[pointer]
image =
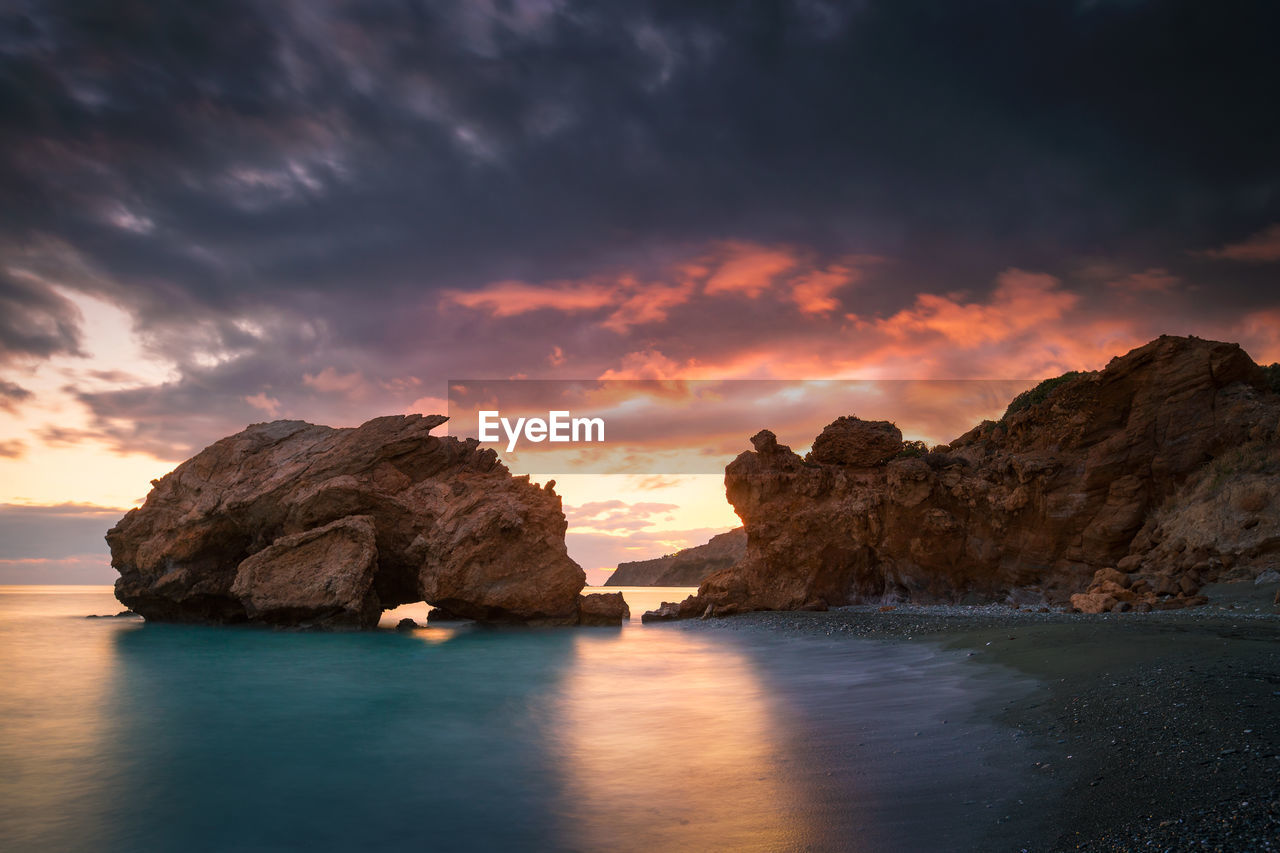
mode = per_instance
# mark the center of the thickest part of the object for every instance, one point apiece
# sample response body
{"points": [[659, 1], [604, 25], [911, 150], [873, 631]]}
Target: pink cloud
{"points": [[330, 381], [616, 515], [268, 405], [649, 364], [1260, 248], [76, 569]]}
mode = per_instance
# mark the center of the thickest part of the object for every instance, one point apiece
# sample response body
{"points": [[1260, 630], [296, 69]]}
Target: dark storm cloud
{"points": [[330, 169], [35, 322], [231, 148]]}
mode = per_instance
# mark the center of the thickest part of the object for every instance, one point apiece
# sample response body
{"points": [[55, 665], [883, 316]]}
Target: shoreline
{"points": [[1161, 729]]}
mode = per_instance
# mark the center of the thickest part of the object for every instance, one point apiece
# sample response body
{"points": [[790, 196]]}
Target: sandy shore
{"points": [[1162, 730]]}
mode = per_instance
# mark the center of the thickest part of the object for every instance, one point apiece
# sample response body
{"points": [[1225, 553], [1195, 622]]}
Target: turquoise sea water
{"points": [[116, 735]]}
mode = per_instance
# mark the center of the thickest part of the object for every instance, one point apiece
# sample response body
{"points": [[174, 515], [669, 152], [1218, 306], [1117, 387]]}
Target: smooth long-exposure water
{"points": [[121, 736]]}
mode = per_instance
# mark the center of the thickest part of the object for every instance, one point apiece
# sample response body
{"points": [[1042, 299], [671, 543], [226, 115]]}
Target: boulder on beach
{"points": [[293, 524]]}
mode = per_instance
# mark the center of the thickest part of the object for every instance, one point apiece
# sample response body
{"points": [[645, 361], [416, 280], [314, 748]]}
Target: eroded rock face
{"points": [[290, 523], [1128, 469], [688, 567], [323, 576]]}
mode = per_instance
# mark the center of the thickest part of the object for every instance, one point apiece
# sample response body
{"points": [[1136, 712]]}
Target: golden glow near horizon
{"points": [[62, 460], [699, 511]]}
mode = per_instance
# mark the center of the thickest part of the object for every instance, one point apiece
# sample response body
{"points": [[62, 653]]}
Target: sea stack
{"points": [[293, 524]]}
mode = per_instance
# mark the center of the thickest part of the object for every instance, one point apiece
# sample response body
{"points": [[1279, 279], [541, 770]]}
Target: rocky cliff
{"points": [[688, 567], [1163, 468], [289, 523]]}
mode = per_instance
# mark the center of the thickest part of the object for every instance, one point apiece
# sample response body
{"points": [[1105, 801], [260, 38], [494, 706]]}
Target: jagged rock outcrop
{"points": [[688, 567], [289, 523], [1162, 466], [850, 441]]}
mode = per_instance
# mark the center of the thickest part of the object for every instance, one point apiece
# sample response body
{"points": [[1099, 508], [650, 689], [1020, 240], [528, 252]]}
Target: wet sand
{"points": [[1158, 731]]}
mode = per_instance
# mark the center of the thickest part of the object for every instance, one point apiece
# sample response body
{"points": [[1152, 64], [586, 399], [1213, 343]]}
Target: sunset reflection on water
{"points": [[122, 736], [668, 742]]}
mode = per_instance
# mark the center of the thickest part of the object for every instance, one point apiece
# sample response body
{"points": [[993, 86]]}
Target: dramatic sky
{"points": [[217, 213]]}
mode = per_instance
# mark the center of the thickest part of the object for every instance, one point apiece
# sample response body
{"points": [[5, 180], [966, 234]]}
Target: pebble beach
{"points": [[1160, 730]]}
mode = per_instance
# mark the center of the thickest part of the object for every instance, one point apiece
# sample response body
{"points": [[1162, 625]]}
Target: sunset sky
{"points": [[216, 214]]}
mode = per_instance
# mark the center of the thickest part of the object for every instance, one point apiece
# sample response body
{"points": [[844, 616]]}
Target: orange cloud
{"points": [[731, 267], [1022, 300], [1261, 248], [812, 291], [510, 298], [748, 269], [647, 304], [1028, 327]]}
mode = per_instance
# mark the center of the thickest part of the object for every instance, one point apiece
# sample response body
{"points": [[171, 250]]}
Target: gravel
{"points": [[1162, 729]]}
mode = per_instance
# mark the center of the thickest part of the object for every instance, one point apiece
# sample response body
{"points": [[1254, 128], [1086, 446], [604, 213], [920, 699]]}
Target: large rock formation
{"points": [[688, 567], [289, 523], [1164, 467]]}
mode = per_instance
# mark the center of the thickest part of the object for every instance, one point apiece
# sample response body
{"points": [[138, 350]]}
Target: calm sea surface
{"points": [[121, 736]]}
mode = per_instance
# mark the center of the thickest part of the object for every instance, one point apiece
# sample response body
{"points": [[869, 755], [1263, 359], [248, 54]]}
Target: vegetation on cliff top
{"points": [[912, 449], [1272, 373], [1038, 394]]}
